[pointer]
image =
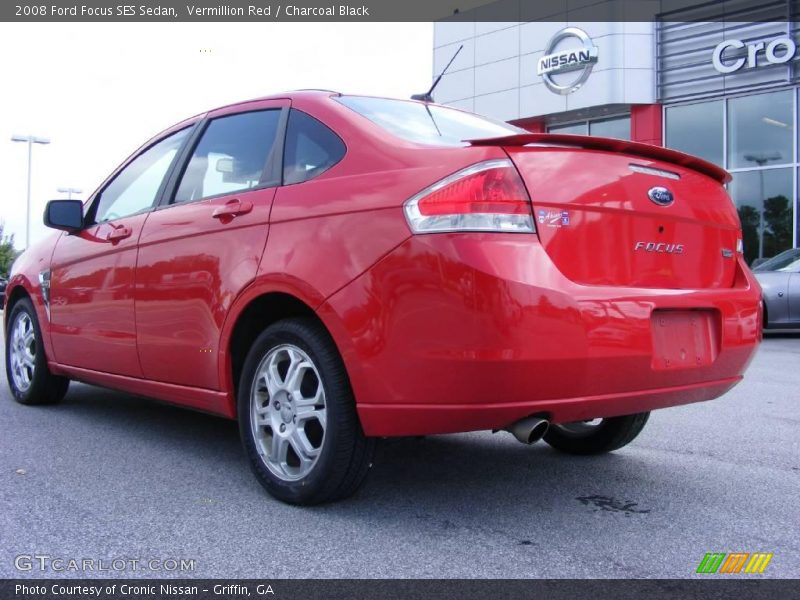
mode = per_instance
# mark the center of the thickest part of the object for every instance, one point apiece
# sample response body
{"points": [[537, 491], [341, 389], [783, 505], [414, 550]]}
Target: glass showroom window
{"points": [[764, 201], [761, 130], [572, 128], [619, 128], [697, 129], [760, 133], [616, 127]]}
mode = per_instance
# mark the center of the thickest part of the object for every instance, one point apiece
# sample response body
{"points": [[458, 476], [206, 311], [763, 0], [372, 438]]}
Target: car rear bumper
{"points": [[461, 332], [415, 419]]}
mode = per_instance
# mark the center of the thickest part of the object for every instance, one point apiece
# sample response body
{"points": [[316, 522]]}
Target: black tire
{"points": [[44, 388], [608, 435], [344, 453]]}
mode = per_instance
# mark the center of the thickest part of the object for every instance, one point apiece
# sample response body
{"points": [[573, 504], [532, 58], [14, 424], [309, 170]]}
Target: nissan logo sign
{"points": [[578, 58], [777, 52]]}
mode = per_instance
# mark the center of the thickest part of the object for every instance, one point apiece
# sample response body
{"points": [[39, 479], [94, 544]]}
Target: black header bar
{"points": [[395, 10]]}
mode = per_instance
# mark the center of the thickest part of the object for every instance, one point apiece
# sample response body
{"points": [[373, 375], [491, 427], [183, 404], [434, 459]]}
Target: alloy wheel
{"points": [[22, 352], [287, 412]]}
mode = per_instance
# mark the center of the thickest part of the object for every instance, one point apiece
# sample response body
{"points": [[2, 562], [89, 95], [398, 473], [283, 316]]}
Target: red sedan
{"points": [[331, 269]]}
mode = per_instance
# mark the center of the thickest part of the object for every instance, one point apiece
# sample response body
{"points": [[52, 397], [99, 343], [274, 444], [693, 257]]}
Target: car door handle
{"points": [[119, 233], [232, 208]]}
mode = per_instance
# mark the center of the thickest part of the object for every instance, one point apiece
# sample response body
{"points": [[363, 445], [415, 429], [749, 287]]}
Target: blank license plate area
{"points": [[684, 339]]}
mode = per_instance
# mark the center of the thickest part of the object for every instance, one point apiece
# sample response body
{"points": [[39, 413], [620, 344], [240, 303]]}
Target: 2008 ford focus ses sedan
{"points": [[332, 269]]}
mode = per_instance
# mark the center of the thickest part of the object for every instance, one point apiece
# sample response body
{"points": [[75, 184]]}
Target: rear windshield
{"points": [[427, 124]]}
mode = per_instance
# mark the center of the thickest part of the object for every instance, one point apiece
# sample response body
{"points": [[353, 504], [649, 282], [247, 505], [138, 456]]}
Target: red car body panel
{"points": [[489, 331], [609, 211], [24, 280], [191, 267], [92, 318], [438, 332]]}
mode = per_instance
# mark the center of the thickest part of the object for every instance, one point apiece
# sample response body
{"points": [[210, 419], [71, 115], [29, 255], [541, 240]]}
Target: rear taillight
{"points": [[488, 196]]}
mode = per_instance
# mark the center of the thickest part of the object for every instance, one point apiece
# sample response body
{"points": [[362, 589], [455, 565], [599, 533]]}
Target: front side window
{"points": [[134, 189], [311, 148], [232, 155], [428, 124]]}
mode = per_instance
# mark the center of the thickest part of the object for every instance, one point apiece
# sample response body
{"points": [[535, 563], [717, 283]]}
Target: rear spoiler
{"points": [[613, 145]]}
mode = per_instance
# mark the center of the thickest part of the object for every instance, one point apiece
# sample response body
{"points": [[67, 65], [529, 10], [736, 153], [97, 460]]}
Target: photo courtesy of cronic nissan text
{"points": [[426, 299]]}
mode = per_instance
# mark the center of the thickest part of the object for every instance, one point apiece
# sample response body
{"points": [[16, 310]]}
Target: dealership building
{"points": [[724, 90]]}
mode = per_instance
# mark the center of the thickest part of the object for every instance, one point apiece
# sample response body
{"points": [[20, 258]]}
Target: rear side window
{"points": [[311, 148], [232, 155], [427, 124]]}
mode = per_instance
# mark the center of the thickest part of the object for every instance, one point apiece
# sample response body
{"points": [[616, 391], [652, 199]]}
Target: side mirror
{"points": [[66, 215]]}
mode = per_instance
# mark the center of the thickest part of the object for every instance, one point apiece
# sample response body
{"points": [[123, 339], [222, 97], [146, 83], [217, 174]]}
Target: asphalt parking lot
{"points": [[106, 475]]}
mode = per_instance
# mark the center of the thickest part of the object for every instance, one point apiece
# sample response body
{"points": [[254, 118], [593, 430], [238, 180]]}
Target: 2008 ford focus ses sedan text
{"points": [[332, 269]]}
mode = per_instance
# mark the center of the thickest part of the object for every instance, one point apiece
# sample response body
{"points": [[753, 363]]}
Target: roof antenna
{"points": [[427, 96]]}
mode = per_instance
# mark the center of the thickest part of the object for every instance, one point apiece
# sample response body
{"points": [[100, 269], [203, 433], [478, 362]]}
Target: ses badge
{"points": [[553, 218]]}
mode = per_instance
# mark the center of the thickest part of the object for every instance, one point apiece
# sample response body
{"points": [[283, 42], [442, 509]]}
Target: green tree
{"points": [[7, 252], [749, 217], [778, 220]]}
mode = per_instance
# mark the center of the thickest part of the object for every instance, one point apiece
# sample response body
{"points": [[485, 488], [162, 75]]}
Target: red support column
{"points": [[646, 124]]}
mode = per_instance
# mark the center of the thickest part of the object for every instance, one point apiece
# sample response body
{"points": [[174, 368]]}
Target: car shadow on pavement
{"points": [[431, 477], [132, 415], [492, 469]]}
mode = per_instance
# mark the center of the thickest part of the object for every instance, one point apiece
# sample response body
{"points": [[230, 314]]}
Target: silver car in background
{"points": [[780, 280]]}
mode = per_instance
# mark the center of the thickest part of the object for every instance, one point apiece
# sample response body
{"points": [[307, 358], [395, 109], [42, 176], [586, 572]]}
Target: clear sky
{"points": [[98, 91]]}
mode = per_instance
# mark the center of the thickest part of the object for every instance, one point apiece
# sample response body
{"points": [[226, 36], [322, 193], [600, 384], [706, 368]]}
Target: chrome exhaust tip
{"points": [[529, 429]]}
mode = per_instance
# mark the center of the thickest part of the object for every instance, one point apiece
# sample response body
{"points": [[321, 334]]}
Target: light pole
{"points": [[761, 160], [69, 191], [30, 140]]}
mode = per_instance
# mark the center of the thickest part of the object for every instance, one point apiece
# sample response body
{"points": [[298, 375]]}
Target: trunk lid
{"points": [[603, 212]]}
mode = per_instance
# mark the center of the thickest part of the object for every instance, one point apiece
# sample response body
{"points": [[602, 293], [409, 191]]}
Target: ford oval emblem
{"points": [[661, 196]]}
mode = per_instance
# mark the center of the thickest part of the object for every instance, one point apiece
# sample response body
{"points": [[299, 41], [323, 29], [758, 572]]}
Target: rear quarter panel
{"points": [[326, 232]]}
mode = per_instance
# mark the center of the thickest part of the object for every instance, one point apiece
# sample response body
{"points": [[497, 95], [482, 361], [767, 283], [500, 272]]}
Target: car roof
{"points": [[290, 95], [313, 94]]}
